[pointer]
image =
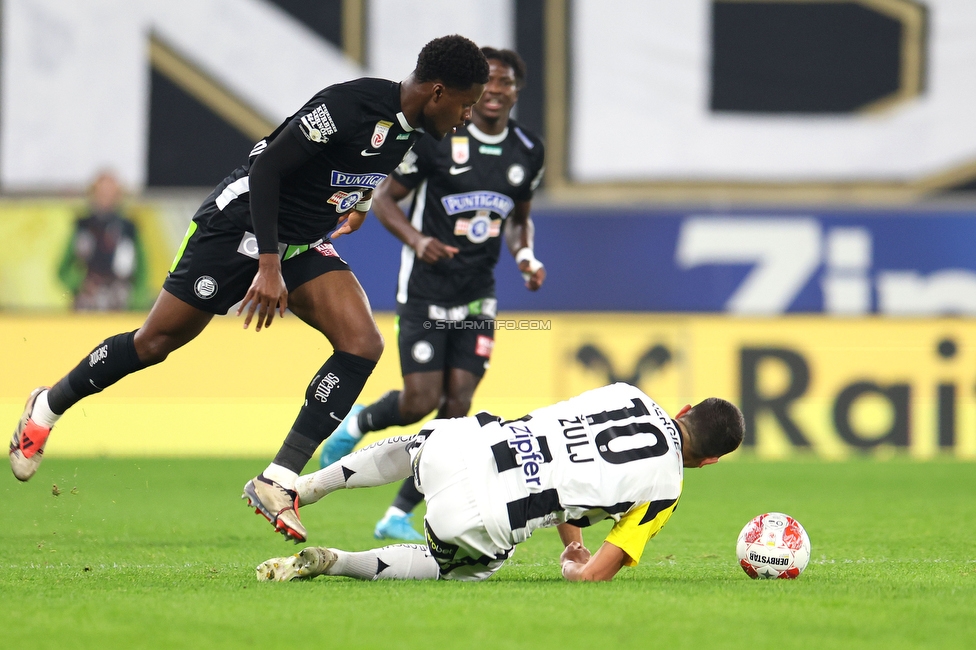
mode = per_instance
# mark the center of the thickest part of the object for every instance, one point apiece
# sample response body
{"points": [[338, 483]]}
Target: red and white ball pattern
{"points": [[773, 545]]}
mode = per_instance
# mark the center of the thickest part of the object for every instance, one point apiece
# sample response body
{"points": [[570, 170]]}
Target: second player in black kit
{"points": [[261, 239], [471, 190], [467, 186]]}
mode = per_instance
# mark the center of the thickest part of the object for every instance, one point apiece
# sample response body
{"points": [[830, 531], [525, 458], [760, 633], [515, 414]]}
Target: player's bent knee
{"points": [[415, 411], [455, 407], [377, 345], [153, 350], [367, 344], [371, 347], [417, 404]]}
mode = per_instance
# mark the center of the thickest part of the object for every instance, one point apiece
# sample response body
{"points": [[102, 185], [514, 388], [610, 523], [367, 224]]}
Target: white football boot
{"points": [[277, 504], [304, 565], [28, 441]]}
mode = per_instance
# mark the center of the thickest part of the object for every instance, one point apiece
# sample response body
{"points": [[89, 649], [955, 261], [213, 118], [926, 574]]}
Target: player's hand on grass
{"points": [[266, 293], [533, 279], [574, 552], [431, 250]]}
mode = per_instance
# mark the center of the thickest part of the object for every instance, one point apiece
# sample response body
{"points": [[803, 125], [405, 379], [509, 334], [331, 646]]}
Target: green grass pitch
{"points": [[161, 554]]}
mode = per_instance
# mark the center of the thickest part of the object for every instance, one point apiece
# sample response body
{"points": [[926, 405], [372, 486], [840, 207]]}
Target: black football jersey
{"points": [[466, 186], [357, 135]]}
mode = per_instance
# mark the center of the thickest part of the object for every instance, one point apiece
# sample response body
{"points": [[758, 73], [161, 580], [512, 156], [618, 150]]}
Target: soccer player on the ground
{"points": [[261, 239], [610, 452], [469, 189]]}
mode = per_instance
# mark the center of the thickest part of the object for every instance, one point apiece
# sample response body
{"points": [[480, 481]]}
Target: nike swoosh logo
{"points": [[459, 170], [333, 415], [364, 152]]}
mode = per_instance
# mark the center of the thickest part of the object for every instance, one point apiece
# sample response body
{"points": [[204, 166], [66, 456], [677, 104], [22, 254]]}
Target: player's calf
{"points": [[397, 562]]}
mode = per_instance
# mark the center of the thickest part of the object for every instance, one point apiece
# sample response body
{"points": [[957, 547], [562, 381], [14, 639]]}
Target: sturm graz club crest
{"points": [[422, 352], [205, 287], [516, 175]]}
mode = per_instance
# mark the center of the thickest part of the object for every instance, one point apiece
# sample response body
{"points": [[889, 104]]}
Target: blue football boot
{"points": [[341, 442], [397, 527]]}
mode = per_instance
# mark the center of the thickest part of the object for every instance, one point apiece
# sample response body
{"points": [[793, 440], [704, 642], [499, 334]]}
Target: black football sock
{"points": [[408, 497], [110, 361], [383, 413], [328, 399]]}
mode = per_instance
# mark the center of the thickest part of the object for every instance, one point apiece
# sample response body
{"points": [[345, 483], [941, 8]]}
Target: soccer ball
{"points": [[773, 545]]}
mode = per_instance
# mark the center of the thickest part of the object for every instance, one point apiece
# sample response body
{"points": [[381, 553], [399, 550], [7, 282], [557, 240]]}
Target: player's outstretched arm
{"points": [[520, 236], [385, 204], [578, 565], [568, 533], [352, 220], [268, 291]]}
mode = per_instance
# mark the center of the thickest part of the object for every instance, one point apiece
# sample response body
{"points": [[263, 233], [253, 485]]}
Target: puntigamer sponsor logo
{"points": [[493, 201], [347, 179], [766, 559]]}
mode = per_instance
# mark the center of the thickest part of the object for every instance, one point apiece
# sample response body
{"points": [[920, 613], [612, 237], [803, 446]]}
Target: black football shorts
{"points": [[217, 262], [427, 345]]}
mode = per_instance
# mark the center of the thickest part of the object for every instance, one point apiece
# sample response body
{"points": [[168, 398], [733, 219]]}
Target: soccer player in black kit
{"points": [[470, 189], [261, 239]]}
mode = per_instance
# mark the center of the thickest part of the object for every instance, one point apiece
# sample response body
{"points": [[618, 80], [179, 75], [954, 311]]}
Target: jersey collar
{"points": [[678, 429], [404, 124], [484, 138]]}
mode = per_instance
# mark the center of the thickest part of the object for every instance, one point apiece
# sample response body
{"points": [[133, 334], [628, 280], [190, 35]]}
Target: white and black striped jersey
{"points": [[466, 187], [356, 134], [611, 452]]}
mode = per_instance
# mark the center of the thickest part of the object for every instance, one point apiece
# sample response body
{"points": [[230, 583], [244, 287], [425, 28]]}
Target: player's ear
{"points": [[684, 409], [711, 460]]}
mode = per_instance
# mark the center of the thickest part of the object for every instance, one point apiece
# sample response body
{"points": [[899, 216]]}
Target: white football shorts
{"points": [[454, 526]]}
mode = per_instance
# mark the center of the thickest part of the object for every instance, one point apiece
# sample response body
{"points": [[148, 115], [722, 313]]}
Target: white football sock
{"points": [[397, 562], [384, 461], [393, 511], [42, 413], [281, 475], [353, 427]]}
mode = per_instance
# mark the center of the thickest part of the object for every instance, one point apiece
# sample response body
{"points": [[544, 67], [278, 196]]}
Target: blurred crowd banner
{"points": [[34, 237], [808, 385], [893, 262]]}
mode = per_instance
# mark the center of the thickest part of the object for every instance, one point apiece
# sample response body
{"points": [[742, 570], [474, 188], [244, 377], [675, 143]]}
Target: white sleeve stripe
{"points": [[232, 191], [524, 138], [407, 254]]}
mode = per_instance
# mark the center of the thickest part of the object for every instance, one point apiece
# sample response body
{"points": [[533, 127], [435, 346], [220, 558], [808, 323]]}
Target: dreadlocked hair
{"points": [[454, 61], [511, 59]]}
